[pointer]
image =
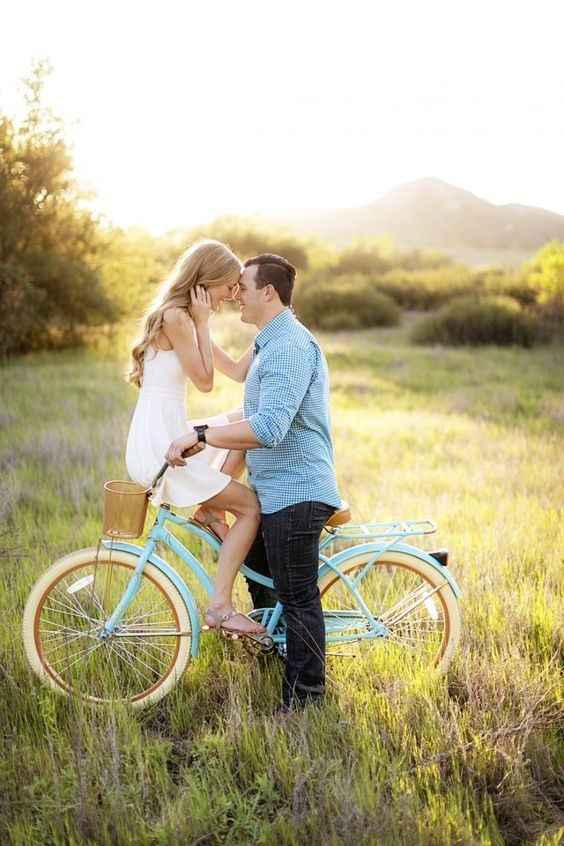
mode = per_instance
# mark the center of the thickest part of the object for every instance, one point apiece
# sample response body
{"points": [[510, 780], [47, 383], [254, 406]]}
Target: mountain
{"points": [[431, 213]]}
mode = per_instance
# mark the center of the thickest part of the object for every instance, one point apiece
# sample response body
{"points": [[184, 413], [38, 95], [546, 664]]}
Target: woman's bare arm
{"points": [[192, 345], [236, 370]]}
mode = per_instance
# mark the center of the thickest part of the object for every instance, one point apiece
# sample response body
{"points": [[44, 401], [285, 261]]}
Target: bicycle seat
{"points": [[341, 516]]}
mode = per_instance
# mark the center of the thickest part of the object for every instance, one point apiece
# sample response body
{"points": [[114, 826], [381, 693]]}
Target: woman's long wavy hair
{"points": [[208, 263]]}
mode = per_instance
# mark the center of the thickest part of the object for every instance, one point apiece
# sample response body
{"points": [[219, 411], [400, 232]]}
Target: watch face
{"points": [[201, 433]]}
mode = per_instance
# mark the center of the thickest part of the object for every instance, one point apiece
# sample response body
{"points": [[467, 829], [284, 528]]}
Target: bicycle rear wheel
{"points": [[63, 620], [413, 603]]}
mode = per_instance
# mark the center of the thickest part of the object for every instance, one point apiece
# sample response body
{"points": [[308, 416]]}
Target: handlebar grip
{"points": [[193, 450], [186, 454]]}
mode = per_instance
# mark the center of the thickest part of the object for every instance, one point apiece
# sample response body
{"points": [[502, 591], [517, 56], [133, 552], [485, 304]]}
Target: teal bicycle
{"points": [[118, 622]]}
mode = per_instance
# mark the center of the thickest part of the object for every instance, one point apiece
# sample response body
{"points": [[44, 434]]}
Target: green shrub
{"points": [[423, 259], [424, 290], [335, 320], [506, 283], [247, 237], [365, 255], [486, 320], [344, 302], [20, 303], [372, 256], [546, 274], [50, 286]]}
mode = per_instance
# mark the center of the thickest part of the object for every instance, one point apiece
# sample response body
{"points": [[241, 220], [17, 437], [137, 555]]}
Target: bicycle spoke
{"points": [[429, 625], [404, 634], [408, 606], [66, 642], [155, 626], [94, 597], [161, 627], [65, 609], [79, 604], [151, 645], [414, 606], [388, 587], [145, 616], [77, 656], [133, 664], [392, 612], [111, 652], [61, 630], [144, 648]]}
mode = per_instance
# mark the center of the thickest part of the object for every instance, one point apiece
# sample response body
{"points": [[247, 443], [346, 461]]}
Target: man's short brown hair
{"points": [[276, 271]]}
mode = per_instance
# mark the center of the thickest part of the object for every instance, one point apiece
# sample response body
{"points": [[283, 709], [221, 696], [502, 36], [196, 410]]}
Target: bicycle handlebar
{"points": [[186, 454]]}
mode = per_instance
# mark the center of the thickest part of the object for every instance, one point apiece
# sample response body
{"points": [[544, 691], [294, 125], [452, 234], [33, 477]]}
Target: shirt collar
{"points": [[274, 328]]}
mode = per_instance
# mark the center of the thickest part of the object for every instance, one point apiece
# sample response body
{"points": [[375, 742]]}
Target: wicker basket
{"points": [[125, 509]]}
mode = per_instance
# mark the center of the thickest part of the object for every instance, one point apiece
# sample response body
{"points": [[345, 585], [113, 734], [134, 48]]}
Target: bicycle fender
{"points": [[179, 584], [335, 562]]}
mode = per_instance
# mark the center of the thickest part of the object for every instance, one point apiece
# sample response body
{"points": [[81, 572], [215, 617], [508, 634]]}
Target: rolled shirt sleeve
{"points": [[285, 376]]}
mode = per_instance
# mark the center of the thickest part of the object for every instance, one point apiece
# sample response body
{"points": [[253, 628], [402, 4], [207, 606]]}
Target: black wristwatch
{"points": [[201, 430]]}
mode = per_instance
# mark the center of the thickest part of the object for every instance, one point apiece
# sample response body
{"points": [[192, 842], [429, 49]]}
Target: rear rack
{"points": [[366, 531]]}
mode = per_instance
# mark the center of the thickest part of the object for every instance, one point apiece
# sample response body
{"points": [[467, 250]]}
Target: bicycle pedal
{"points": [[266, 644], [261, 644], [229, 635], [250, 645]]}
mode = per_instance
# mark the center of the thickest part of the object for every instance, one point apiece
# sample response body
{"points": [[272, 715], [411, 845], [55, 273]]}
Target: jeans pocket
{"points": [[320, 513], [301, 516]]}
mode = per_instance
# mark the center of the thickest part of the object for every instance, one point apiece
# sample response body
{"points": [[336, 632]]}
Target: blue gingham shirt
{"points": [[287, 407]]}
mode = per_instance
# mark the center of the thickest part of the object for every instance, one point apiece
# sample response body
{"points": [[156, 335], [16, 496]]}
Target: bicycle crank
{"points": [[254, 644]]}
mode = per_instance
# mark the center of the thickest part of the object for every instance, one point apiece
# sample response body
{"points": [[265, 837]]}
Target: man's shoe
{"points": [[282, 714]]}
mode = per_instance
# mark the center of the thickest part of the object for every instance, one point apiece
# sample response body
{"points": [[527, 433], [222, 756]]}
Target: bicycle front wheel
{"points": [[63, 623], [415, 610]]}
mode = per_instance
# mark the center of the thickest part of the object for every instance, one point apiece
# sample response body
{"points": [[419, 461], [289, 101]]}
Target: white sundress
{"points": [[159, 418]]}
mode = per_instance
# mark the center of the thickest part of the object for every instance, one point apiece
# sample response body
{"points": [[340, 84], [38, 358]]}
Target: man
{"points": [[286, 433]]}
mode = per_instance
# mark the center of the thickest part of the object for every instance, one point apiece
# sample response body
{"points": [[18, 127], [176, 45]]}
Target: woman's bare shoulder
{"points": [[176, 316]]}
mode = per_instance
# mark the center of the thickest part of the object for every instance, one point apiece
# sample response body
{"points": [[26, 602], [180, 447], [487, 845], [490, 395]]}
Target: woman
{"points": [[176, 347]]}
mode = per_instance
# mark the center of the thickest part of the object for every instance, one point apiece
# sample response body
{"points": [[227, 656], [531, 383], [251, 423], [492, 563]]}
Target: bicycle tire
{"points": [[441, 623], [64, 610]]}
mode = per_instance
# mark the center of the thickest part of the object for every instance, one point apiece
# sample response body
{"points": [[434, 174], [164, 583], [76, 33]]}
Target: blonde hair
{"points": [[208, 263]]}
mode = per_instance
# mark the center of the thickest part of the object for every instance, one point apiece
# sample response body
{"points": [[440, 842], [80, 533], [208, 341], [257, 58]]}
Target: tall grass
{"points": [[471, 438]]}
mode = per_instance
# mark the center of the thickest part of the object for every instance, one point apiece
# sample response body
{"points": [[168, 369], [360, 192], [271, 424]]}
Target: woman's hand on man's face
{"points": [[183, 447], [200, 305]]}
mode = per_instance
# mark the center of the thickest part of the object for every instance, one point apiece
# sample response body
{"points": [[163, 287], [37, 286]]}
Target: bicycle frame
{"points": [[337, 622], [147, 554]]}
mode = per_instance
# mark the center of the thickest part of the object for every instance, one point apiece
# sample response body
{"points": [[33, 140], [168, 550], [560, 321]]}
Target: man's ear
{"points": [[270, 292]]}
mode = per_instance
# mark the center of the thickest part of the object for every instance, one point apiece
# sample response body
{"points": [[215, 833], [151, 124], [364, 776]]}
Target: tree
{"points": [[247, 237], [546, 275], [133, 265], [366, 255], [49, 242]]}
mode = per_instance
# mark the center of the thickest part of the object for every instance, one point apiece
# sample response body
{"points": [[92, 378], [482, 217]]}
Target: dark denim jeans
{"points": [[286, 549]]}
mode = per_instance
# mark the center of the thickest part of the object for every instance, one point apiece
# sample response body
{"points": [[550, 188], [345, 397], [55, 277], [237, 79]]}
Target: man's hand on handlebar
{"points": [[183, 447]]}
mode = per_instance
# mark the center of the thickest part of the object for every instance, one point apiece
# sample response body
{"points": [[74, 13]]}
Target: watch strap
{"points": [[201, 432]]}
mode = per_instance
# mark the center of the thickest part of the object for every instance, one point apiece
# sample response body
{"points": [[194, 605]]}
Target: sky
{"points": [[180, 112]]}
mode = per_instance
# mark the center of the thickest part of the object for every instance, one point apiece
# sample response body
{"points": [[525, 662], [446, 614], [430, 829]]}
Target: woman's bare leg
{"points": [[233, 466], [243, 504]]}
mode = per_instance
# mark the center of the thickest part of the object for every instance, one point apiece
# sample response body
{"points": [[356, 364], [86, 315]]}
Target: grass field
{"points": [[470, 438]]}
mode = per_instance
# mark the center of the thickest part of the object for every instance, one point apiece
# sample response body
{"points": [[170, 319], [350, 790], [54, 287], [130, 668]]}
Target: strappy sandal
{"points": [[220, 619], [209, 524]]}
